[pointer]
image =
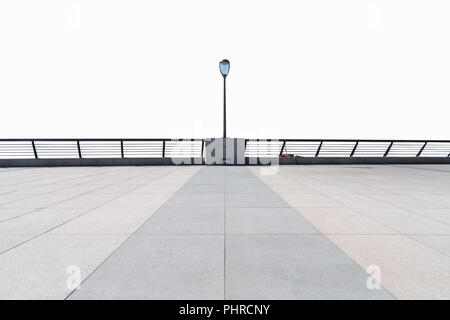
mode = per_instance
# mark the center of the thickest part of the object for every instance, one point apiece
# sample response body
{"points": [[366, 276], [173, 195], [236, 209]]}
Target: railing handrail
{"points": [[349, 140], [101, 139]]}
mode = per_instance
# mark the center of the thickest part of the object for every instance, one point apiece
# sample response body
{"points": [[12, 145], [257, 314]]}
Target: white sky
{"points": [[299, 69]]}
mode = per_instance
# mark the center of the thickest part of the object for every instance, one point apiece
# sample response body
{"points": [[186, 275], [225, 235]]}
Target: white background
{"points": [[299, 69]]}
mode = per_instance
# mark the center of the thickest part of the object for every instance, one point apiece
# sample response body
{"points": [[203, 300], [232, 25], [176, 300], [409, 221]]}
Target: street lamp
{"points": [[224, 67]]}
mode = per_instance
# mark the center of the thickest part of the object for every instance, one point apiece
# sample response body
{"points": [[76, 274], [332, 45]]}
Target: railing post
{"points": [[79, 149], [388, 149], [421, 149], [34, 149], [203, 148], [282, 148], [164, 149], [121, 149], [354, 149], [318, 149]]}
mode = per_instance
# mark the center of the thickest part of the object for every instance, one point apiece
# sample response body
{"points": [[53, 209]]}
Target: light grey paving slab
{"points": [[442, 215], [9, 241], [86, 201], [117, 189], [201, 188], [39, 268], [157, 188], [358, 201], [406, 201], [187, 200], [169, 220], [293, 267], [405, 222], [254, 200], [39, 201], [245, 188], [138, 201], [440, 243], [39, 221], [266, 221], [208, 179], [107, 221], [6, 214], [7, 198], [160, 267], [241, 180]]}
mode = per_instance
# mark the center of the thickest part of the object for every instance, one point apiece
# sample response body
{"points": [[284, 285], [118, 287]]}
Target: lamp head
{"points": [[224, 67]]}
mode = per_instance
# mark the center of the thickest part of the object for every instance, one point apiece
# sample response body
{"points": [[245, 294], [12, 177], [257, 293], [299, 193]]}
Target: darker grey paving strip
{"points": [[234, 244], [155, 263]]}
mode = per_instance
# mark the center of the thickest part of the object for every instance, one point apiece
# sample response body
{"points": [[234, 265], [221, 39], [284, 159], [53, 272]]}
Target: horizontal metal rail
{"points": [[100, 148]]}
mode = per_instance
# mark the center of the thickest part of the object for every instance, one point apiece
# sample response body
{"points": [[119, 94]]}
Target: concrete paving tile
{"points": [[310, 200], [7, 198], [7, 241], [195, 200], [294, 189], [273, 179], [248, 180], [207, 179], [117, 189], [87, 201], [42, 189], [102, 221], [160, 267], [6, 214], [254, 200], [359, 201], [292, 267], [405, 201], [171, 180], [405, 222], [38, 201], [38, 222], [440, 243], [76, 189], [441, 199], [442, 215], [169, 220], [245, 188], [138, 201], [342, 221], [409, 270], [266, 221], [160, 188], [330, 189], [201, 188], [38, 269]]}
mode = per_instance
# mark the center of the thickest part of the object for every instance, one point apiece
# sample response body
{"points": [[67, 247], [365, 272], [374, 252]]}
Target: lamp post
{"points": [[224, 67]]}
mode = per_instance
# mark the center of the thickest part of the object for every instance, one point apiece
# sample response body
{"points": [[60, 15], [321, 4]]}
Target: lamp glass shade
{"points": [[224, 66]]}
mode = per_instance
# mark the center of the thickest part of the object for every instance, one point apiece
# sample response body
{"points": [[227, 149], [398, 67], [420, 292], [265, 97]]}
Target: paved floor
{"points": [[293, 232]]}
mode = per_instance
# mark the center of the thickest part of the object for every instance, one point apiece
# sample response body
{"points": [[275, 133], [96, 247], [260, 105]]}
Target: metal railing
{"points": [[100, 148], [12, 149], [346, 148]]}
